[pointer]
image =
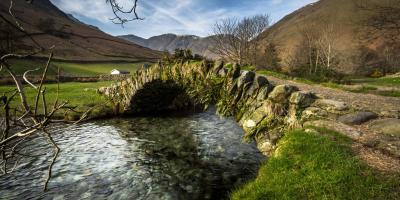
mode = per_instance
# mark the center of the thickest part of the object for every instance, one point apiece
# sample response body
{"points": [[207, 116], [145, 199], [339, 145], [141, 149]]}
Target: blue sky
{"points": [[194, 17]]}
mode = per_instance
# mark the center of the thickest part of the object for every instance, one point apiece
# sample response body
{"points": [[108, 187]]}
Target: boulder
{"points": [[236, 71], [331, 105], [302, 99], [245, 78], [357, 118], [281, 93], [223, 72], [314, 112], [261, 81], [264, 92], [389, 126], [218, 66]]}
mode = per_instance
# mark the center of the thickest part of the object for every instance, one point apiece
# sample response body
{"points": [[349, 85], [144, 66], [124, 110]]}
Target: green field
{"points": [[384, 81], [83, 96], [311, 165], [72, 69]]}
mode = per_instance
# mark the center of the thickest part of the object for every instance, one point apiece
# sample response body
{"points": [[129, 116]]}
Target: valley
{"points": [[296, 99]]}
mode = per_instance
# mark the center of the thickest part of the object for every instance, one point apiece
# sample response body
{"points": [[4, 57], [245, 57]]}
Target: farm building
{"points": [[116, 72]]}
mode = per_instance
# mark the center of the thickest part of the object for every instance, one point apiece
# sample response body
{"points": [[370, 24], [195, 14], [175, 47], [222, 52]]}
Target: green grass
{"points": [[274, 74], [81, 95], [390, 93], [315, 166], [384, 81], [387, 81], [72, 69], [98, 68]]}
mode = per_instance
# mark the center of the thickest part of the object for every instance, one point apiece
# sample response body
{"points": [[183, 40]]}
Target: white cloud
{"points": [[175, 16]]}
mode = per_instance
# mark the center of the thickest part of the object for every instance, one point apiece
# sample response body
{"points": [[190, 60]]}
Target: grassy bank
{"points": [[318, 166], [83, 96], [71, 68]]}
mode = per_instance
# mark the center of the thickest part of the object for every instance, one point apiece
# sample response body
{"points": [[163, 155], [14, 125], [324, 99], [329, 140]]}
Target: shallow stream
{"points": [[200, 156]]}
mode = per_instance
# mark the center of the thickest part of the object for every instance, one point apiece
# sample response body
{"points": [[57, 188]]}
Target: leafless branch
{"points": [[41, 82], [56, 152], [27, 80], [120, 12]]}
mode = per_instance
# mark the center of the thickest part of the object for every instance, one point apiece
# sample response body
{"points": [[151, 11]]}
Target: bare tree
{"points": [[310, 36], [319, 46], [327, 45], [235, 40]]}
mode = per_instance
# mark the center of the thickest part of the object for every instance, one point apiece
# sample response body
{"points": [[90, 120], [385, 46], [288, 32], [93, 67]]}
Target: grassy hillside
{"points": [[357, 49], [72, 40]]}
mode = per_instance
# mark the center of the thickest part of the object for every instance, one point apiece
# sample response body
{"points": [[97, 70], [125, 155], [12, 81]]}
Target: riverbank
{"points": [[318, 164], [81, 97]]}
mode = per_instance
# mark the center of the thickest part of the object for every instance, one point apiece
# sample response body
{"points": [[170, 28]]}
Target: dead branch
{"points": [[41, 82], [119, 12], [27, 80], [56, 152]]}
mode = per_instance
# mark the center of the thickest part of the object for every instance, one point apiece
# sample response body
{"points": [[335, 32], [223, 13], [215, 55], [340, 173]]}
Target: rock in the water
{"points": [[357, 118], [302, 99], [281, 93], [388, 126]]}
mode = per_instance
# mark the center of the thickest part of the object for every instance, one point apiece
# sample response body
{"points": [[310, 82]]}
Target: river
{"points": [[198, 156]]}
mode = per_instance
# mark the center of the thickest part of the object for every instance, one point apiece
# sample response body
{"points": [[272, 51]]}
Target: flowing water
{"points": [[200, 156]]}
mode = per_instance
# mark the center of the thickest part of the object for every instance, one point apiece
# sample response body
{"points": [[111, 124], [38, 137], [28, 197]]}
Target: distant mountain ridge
{"points": [[72, 39], [169, 42]]}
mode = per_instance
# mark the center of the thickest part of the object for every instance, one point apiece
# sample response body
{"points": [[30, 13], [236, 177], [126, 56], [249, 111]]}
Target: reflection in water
{"points": [[194, 157]]}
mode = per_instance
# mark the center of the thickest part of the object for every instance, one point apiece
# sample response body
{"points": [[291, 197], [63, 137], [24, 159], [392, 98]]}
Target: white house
{"points": [[117, 72]]}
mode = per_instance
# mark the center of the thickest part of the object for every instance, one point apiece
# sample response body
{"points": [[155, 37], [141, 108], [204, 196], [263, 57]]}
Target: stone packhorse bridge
{"points": [[263, 110]]}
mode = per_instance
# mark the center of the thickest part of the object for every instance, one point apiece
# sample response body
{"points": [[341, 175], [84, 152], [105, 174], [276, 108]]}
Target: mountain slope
{"points": [[170, 42], [73, 40], [351, 41]]}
